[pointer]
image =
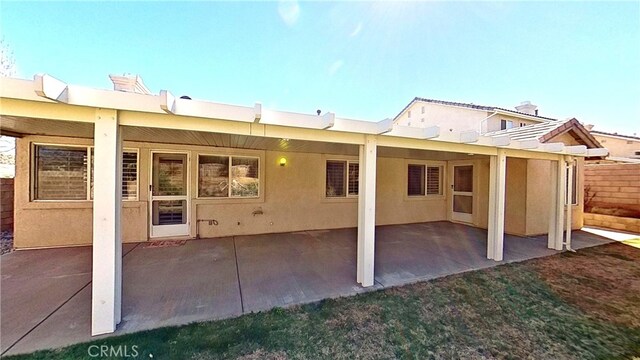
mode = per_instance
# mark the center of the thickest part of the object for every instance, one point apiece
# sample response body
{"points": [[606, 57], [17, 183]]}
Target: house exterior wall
{"points": [[619, 147], [455, 118], [447, 117], [292, 199]]}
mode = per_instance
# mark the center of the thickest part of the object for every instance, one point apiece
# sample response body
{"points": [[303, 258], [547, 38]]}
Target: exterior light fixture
{"points": [[283, 161]]}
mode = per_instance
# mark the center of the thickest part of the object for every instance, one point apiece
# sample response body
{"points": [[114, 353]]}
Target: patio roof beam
{"points": [[305, 121], [51, 88], [363, 127], [414, 133]]}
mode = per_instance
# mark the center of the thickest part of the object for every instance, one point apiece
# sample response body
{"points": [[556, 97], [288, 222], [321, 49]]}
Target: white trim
{"points": [[426, 163], [176, 229], [463, 217], [347, 160], [229, 196]]}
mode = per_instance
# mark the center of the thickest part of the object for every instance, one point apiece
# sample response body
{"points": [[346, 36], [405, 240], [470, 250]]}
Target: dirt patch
{"points": [[603, 281]]}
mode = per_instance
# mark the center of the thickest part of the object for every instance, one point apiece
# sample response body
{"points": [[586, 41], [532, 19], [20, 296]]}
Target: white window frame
{"points": [[229, 196], [346, 179], [88, 149], [507, 122], [427, 164]]}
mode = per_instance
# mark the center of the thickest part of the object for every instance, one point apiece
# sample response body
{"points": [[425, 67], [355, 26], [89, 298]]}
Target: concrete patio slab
{"points": [[36, 283], [50, 294], [278, 270]]}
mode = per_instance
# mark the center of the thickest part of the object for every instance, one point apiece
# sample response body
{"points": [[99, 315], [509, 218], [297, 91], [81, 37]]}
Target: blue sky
{"points": [[360, 60]]}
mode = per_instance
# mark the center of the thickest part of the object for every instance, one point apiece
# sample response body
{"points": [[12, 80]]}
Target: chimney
{"points": [[528, 108], [129, 83]]}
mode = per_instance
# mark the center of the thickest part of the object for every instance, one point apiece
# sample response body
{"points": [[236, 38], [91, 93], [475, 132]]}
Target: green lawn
{"points": [[569, 306]]}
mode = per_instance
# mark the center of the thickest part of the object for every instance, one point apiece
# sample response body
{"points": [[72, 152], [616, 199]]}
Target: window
{"points": [[342, 178], [574, 185], [506, 124], [423, 109], [222, 176], [415, 183], [409, 114], [424, 180], [61, 173], [522, 124], [129, 175], [422, 120]]}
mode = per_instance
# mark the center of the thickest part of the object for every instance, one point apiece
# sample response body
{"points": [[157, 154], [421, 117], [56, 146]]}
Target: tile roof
{"points": [[471, 106], [545, 132], [614, 134]]}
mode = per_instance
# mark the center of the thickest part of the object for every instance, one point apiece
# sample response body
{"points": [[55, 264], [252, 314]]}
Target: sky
{"points": [[361, 60]]}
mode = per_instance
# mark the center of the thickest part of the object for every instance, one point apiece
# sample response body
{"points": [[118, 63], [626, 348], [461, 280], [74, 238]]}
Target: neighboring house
{"points": [[526, 178], [621, 147], [188, 168]]}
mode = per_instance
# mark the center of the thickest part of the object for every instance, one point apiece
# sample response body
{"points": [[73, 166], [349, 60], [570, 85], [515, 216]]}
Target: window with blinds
{"points": [[424, 180], [415, 180], [60, 173], [342, 178], [129, 175], [336, 177], [224, 176], [433, 180]]}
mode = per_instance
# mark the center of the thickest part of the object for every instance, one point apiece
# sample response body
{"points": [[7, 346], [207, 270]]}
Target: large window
{"points": [[424, 180], [223, 176], [61, 173], [342, 178]]}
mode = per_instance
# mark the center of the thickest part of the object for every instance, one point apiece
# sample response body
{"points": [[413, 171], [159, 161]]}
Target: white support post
{"points": [[497, 189], [569, 218], [560, 202], [367, 211], [106, 298], [553, 206]]}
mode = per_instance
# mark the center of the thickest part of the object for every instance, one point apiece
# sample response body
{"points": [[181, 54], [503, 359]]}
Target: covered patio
{"points": [[225, 277]]}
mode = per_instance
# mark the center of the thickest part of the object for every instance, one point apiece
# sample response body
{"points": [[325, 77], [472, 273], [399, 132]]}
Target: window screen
{"points": [[415, 183], [129, 175], [60, 173], [336, 173], [244, 177]]}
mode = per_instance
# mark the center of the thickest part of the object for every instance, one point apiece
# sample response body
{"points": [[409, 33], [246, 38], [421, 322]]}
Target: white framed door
{"points": [[462, 197], [169, 194]]}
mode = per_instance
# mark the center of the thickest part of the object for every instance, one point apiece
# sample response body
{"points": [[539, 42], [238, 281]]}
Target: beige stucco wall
{"points": [[455, 118], [292, 198], [619, 147]]}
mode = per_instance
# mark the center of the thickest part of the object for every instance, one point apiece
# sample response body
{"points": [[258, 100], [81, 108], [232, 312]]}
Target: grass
{"points": [[583, 305]]}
